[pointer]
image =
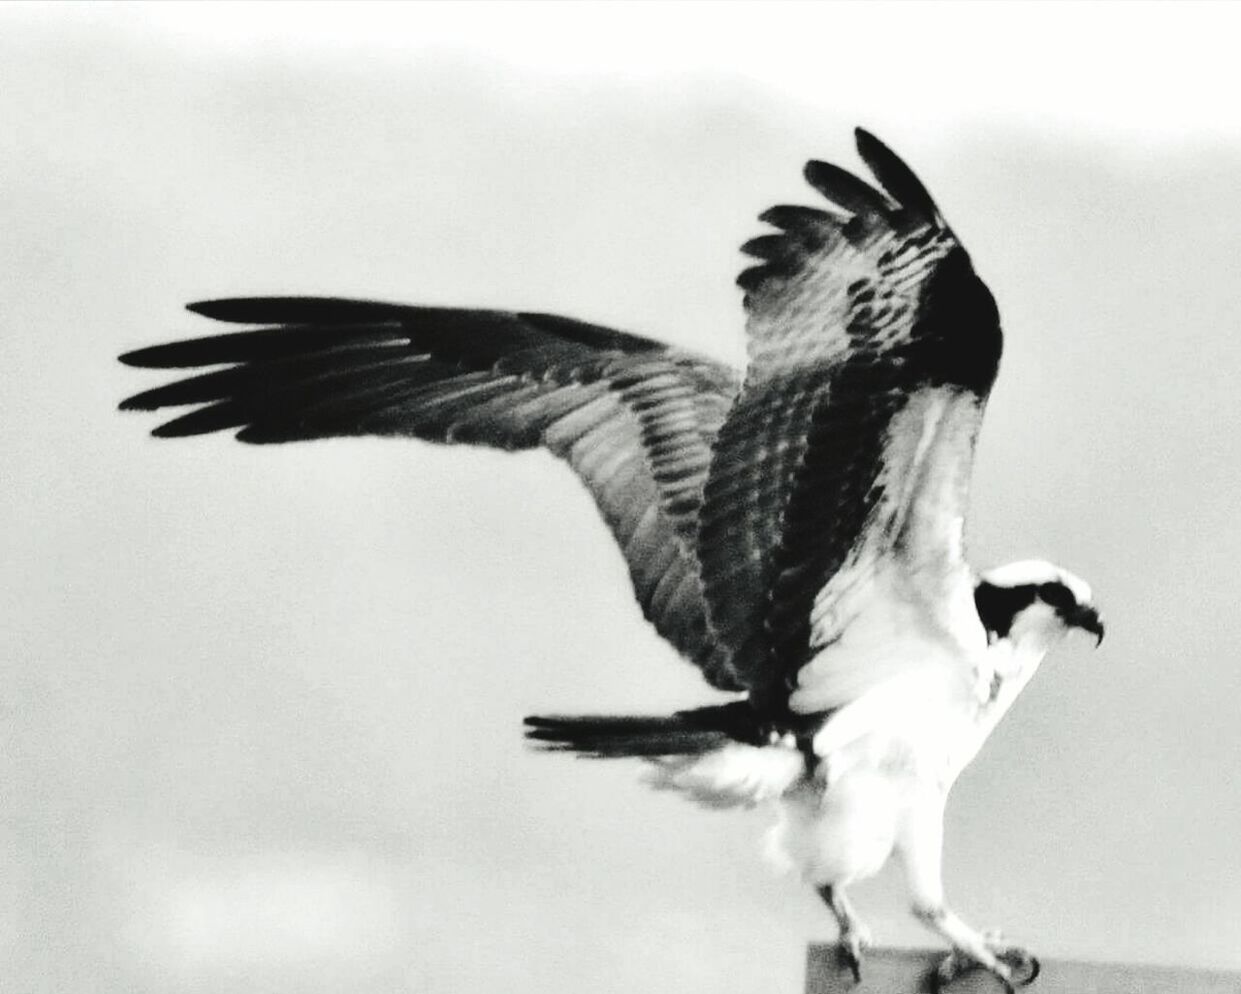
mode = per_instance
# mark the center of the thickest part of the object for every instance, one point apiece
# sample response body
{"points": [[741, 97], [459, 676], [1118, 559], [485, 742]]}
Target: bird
{"points": [[794, 529]]}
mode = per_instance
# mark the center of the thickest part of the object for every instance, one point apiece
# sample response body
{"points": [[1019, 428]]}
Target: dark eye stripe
{"points": [[1057, 595], [997, 606]]}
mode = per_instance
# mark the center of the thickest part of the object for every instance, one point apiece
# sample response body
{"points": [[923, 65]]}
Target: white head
{"points": [[1034, 600]]}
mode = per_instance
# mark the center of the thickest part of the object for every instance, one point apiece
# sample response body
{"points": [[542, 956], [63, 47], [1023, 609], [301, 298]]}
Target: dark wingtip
{"points": [[295, 310], [548, 734], [173, 355], [169, 431], [896, 177], [867, 144], [845, 191], [138, 357], [235, 310]]}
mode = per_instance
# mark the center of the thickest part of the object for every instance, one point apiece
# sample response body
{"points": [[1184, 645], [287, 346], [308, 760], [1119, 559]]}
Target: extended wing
{"points": [[634, 418], [873, 346]]}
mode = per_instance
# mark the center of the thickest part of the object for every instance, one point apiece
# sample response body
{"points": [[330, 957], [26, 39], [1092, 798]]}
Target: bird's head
{"points": [[1033, 600]]}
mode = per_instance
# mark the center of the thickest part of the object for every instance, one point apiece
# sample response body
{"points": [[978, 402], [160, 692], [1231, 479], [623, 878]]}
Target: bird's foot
{"points": [[854, 940], [1024, 966], [1011, 965]]}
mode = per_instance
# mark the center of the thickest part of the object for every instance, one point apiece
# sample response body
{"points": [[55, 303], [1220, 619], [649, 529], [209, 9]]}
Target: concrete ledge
{"points": [[907, 971]]}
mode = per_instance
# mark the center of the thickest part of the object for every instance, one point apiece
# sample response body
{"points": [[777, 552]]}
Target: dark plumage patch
{"points": [[614, 736], [834, 496], [960, 341], [1057, 595], [998, 606], [846, 191], [804, 231], [897, 178], [690, 732]]}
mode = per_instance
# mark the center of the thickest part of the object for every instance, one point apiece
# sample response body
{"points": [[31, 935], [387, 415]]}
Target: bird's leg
{"points": [[854, 935], [972, 949], [921, 847]]}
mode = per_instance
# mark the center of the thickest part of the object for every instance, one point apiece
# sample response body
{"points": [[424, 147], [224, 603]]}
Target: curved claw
{"points": [[853, 963], [850, 951], [951, 967], [1021, 962], [957, 963]]}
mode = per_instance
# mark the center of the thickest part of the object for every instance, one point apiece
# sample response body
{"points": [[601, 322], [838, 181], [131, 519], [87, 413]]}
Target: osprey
{"points": [[796, 533]]}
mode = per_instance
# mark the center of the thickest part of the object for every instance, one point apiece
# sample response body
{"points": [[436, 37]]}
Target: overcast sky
{"points": [[261, 707]]}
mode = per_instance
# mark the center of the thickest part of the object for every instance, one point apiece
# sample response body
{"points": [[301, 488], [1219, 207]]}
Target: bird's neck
{"points": [[1015, 661], [1013, 664]]}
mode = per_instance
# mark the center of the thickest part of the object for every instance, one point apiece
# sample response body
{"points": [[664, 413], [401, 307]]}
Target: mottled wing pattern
{"points": [[854, 313], [634, 418]]}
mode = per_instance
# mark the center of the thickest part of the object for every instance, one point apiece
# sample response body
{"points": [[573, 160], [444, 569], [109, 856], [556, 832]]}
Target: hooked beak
{"points": [[1087, 619]]}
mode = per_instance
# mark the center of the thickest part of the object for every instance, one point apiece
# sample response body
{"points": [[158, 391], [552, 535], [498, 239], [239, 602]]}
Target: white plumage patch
{"points": [[904, 602], [1038, 571], [894, 633], [734, 776]]}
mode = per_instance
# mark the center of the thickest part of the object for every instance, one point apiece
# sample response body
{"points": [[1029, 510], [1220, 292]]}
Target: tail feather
{"points": [[719, 757], [685, 733]]}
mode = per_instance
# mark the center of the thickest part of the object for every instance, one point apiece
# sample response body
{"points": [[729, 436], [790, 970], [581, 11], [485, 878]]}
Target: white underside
{"points": [[735, 776], [888, 760]]}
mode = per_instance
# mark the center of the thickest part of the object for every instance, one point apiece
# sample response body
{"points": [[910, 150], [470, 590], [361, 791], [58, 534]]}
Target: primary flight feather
{"points": [[796, 533]]}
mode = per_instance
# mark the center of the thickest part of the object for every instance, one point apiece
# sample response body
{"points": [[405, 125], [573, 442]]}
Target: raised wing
{"points": [[873, 346], [634, 418]]}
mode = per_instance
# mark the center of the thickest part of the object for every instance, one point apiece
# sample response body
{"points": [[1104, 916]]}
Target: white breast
{"points": [[890, 621], [899, 746]]}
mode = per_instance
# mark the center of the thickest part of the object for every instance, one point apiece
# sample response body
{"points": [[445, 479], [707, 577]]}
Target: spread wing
{"points": [[634, 418], [873, 346]]}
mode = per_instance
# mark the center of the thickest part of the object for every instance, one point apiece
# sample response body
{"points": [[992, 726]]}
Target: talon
{"points": [[1021, 962], [957, 963], [853, 962], [850, 949], [950, 967], [1024, 968]]}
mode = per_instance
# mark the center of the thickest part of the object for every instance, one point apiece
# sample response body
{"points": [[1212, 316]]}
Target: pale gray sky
{"points": [[261, 706]]}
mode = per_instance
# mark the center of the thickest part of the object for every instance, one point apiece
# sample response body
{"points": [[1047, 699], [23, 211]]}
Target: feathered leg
{"points": [[921, 849], [854, 935]]}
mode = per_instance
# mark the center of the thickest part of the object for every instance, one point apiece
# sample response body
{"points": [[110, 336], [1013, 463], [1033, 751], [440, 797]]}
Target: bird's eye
{"points": [[1057, 595]]}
